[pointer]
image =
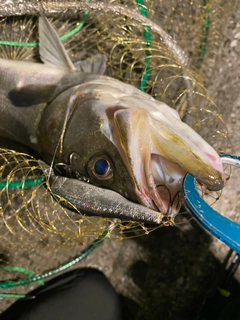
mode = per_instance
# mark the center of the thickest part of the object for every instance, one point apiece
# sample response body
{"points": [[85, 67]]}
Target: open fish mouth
{"points": [[159, 186], [165, 183], [162, 191], [158, 150]]}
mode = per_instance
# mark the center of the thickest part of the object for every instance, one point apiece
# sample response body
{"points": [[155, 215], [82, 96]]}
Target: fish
{"points": [[99, 130]]}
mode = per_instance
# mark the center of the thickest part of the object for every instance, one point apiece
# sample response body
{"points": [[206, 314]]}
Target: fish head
{"points": [[131, 144], [71, 129], [159, 149], [117, 137]]}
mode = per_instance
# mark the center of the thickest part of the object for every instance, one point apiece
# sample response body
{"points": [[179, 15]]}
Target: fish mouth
{"points": [[163, 179], [159, 149], [159, 184], [212, 184], [160, 187]]}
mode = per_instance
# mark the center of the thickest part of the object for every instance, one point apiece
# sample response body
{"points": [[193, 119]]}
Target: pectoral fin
{"points": [[95, 65], [30, 95]]}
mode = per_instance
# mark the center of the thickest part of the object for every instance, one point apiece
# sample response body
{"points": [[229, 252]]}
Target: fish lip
{"points": [[212, 183], [217, 187]]}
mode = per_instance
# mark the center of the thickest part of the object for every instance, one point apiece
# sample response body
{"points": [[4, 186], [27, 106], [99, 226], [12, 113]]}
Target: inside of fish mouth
{"points": [[174, 202], [164, 194], [164, 191]]}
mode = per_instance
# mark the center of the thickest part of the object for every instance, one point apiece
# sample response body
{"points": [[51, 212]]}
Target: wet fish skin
{"points": [[86, 115], [59, 111], [25, 84]]}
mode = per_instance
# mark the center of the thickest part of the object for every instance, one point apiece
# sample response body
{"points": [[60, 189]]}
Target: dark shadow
{"points": [[3, 258], [180, 273]]}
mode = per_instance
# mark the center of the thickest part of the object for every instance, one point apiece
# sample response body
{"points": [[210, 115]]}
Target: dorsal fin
{"points": [[51, 49]]}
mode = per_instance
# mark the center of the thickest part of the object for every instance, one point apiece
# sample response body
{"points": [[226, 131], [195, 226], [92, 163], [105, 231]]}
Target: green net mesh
{"points": [[31, 221]]}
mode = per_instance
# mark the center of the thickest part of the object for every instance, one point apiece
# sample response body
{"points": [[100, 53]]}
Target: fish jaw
{"points": [[180, 144], [142, 164], [142, 129], [159, 150]]}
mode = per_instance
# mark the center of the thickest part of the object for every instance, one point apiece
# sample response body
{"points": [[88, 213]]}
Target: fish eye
{"points": [[100, 167]]}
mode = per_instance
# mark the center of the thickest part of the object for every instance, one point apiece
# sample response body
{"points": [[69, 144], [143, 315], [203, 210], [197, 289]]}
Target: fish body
{"points": [[100, 129], [20, 124]]}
